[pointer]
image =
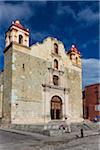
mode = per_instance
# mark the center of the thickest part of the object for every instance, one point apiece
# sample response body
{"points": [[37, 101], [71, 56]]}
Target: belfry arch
{"points": [[56, 108], [20, 39]]}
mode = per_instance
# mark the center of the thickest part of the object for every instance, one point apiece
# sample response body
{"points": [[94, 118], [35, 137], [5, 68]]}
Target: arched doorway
{"points": [[56, 107]]}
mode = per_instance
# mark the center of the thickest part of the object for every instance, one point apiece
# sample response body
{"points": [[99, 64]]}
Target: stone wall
{"points": [[7, 85], [75, 94], [28, 75], [1, 92]]}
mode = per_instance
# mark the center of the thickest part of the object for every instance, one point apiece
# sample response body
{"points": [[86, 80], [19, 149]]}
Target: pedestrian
{"points": [[67, 125], [82, 135], [95, 120], [62, 128]]}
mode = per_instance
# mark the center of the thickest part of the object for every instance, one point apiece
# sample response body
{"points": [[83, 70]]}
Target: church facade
{"points": [[39, 83]]}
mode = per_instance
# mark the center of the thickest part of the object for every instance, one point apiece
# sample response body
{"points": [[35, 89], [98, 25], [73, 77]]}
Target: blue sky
{"points": [[69, 21]]}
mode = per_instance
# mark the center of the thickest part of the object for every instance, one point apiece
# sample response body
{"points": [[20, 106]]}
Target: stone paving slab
{"points": [[13, 140], [24, 133]]}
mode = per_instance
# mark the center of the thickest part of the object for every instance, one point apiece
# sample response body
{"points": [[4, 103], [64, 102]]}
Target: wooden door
{"points": [[56, 108]]}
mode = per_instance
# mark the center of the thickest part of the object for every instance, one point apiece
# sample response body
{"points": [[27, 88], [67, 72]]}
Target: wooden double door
{"points": [[56, 108]]}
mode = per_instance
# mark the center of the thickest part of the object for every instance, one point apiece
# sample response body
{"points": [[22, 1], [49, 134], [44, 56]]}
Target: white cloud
{"points": [[21, 10], [88, 15], [61, 10], [13, 11], [91, 71]]}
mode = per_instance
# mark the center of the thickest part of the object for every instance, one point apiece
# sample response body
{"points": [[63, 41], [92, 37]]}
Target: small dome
{"points": [[73, 46], [17, 21]]}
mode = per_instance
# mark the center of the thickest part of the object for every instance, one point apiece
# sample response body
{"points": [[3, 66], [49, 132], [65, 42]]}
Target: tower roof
{"points": [[18, 25], [73, 49]]}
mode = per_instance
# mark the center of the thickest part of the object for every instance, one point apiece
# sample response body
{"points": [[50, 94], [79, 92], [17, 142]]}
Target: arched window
{"points": [[55, 64], [20, 39], [55, 48], [55, 80], [71, 56], [76, 60]]}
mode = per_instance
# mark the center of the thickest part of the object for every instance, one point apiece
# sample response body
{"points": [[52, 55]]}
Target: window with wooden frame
{"points": [[55, 80], [56, 64], [55, 48]]}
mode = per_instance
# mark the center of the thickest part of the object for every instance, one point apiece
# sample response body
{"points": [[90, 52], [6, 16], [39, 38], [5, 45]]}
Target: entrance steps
{"points": [[87, 125], [52, 127]]}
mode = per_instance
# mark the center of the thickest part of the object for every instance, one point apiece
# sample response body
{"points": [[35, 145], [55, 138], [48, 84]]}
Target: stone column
{"points": [[66, 103], [50, 78], [61, 76], [44, 102], [46, 105]]}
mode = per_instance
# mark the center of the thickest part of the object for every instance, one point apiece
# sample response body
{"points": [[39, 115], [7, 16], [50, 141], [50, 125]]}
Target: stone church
{"points": [[40, 83]]}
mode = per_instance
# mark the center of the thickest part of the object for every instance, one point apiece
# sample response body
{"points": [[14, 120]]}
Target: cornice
{"points": [[14, 43]]}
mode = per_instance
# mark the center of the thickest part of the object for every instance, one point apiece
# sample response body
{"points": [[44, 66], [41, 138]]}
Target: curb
{"points": [[36, 135]]}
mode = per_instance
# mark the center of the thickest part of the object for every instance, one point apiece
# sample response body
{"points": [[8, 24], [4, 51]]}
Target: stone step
{"points": [[52, 127]]}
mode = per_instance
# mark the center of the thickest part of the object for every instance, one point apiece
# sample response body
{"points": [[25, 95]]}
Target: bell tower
{"points": [[18, 34], [74, 56]]}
